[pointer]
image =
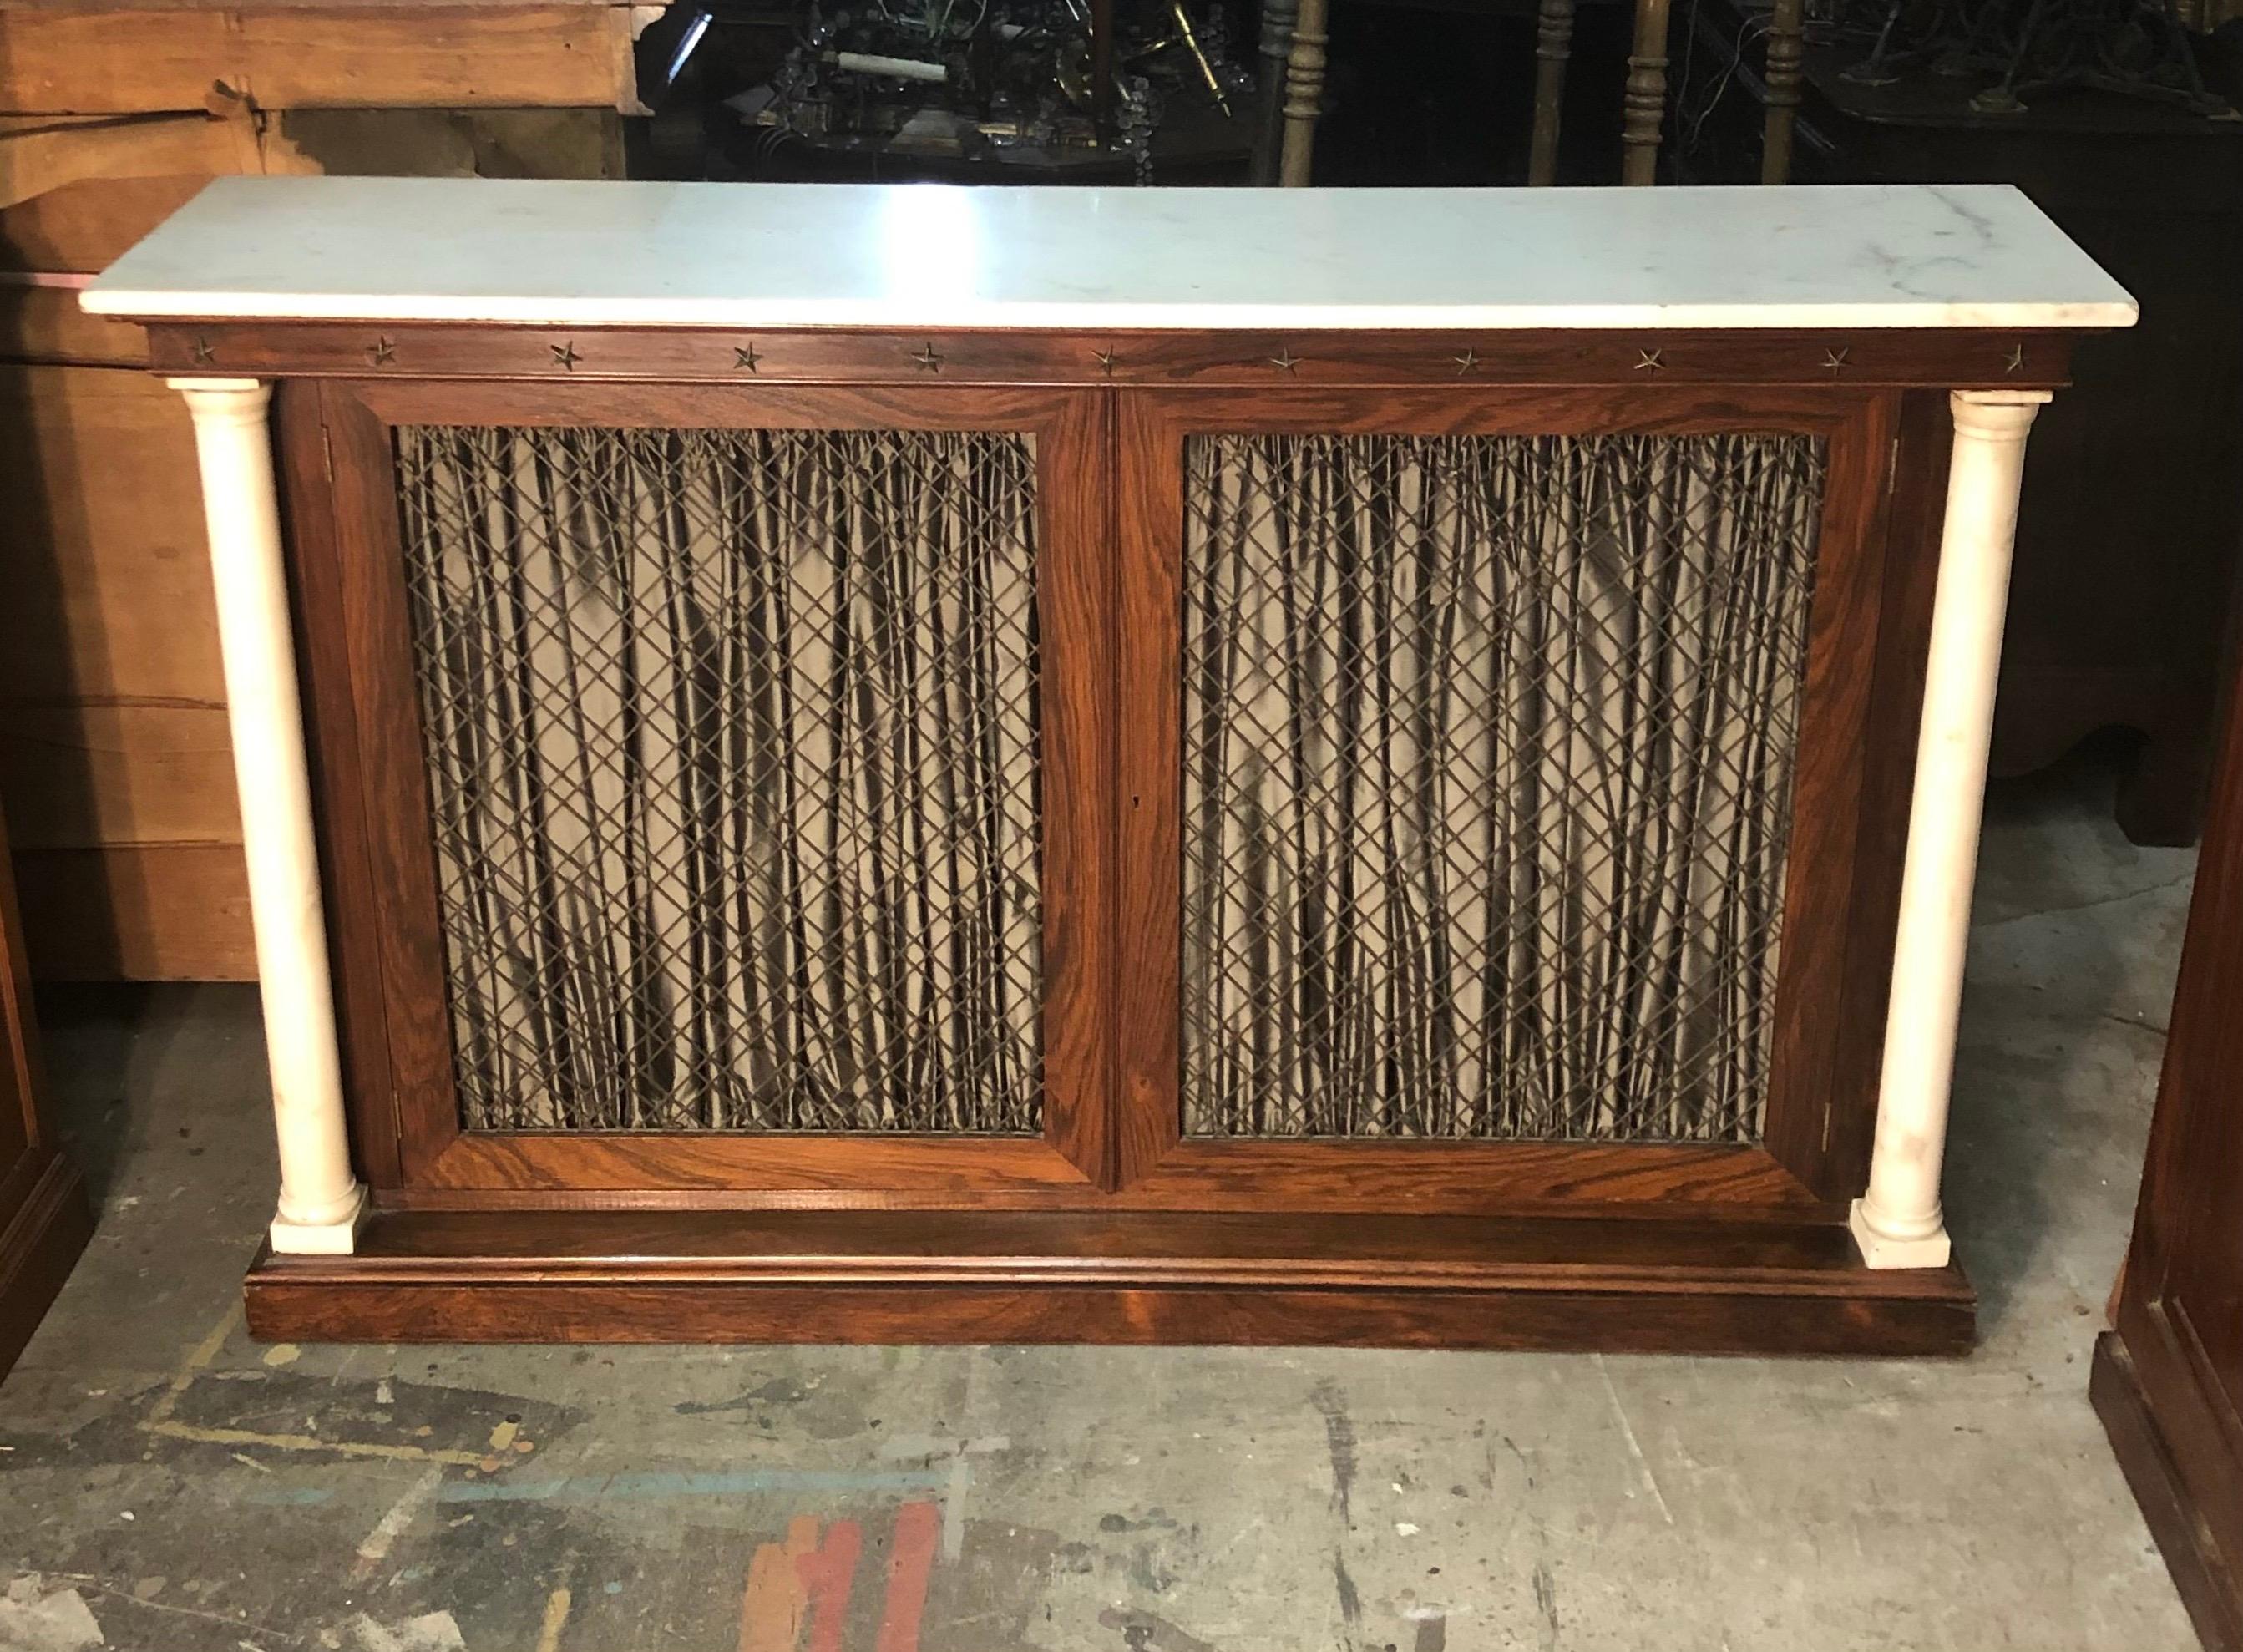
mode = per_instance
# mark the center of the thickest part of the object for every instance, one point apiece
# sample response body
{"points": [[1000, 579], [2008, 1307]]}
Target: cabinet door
{"points": [[1492, 766], [714, 784]]}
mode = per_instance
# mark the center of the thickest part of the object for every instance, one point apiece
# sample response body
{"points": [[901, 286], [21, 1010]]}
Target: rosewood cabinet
{"points": [[923, 765]]}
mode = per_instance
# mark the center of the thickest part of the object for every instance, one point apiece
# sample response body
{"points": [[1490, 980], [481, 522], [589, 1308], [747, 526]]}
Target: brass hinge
{"points": [[1826, 1125], [327, 450], [1892, 467]]}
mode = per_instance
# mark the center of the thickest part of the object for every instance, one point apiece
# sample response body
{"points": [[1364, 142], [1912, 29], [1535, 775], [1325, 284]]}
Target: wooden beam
{"points": [[136, 59]]}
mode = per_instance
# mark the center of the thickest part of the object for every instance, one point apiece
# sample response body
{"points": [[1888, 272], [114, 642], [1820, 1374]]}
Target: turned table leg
{"points": [[1786, 50], [1643, 105], [322, 1202], [1898, 1223], [1304, 91], [1269, 119], [1553, 44]]}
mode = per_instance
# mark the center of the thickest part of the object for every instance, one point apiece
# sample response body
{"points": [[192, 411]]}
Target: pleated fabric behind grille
{"points": [[731, 742], [1488, 754]]}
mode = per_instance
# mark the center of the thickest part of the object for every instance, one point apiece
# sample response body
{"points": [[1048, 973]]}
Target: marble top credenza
{"points": [[919, 763]]}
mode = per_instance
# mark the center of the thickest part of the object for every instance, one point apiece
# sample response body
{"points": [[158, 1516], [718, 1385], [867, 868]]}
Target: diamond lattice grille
{"points": [[731, 745], [1488, 750]]}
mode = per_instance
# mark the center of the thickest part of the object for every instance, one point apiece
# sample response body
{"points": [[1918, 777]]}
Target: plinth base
{"points": [[1744, 1283]]}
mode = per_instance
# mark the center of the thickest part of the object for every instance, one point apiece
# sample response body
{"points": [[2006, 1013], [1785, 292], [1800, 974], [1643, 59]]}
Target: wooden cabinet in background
{"points": [[2168, 1377], [2122, 606], [44, 1222]]}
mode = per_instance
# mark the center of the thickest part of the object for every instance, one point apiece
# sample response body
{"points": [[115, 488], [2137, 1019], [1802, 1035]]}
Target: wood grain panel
{"points": [[750, 1172], [872, 1278], [346, 888], [109, 569], [2158, 1483], [1818, 942], [1074, 575], [120, 59], [1148, 525], [86, 227], [114, 754], [1427, 360], [90, 776], [386, 917], [44, 325], [41, 153], [131, 912]]}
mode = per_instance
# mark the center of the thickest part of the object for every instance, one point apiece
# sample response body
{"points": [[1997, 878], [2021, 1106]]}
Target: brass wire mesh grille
{"points": [[731, 743], [1488, 750]]}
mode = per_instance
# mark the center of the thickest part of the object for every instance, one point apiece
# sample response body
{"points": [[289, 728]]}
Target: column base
{"points": [[338, 1237], [1880, 1250]]}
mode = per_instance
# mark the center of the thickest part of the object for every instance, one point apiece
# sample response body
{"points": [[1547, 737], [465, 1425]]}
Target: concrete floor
{"points": [[166, 1484]]}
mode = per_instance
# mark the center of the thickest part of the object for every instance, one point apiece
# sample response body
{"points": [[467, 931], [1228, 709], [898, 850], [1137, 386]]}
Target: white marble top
{"points": [[778, 255]]}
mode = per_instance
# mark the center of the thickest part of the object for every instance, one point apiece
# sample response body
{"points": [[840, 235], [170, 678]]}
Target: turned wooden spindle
{"points": [[1304, 89], [1786, 48], [1553, 44], [1270, 115], [1644, 105]]}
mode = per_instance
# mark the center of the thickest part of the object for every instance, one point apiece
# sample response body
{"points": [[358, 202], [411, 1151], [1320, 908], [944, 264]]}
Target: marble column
{"points": [[1898, 1223], [322, 1202]]}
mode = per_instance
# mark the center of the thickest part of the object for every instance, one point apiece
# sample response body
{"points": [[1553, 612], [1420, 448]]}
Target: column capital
{"points": [[2002, 415], [220, 387], [2000, 398], [226, 401]]}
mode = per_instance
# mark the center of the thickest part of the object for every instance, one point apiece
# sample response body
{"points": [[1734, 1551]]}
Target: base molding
{"points": [[1639, 1285], [2146, 1456], [38, 1246]]}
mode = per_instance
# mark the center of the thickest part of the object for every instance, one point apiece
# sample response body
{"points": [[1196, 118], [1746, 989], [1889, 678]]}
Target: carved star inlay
{"points": [[205, 351], [747, 357], [929, 359], [1650, 361], [381, 353], [2015, 360], [1468, 362], [1105, 360], [1835, 360], [1285, 360], [565, 355]]}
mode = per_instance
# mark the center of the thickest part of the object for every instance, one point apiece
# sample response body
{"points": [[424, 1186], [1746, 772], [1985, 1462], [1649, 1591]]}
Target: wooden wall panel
{"points": [[160, 912], [127, 60], [110, 573], [114, 764], [86, 226], [44, 324], [88, 775], [113, 751]]}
